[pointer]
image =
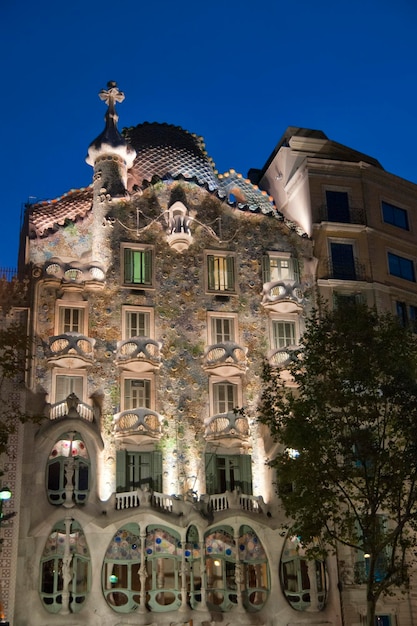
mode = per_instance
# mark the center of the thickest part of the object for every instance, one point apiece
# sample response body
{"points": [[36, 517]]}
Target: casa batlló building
{"points": [[155, 296]]}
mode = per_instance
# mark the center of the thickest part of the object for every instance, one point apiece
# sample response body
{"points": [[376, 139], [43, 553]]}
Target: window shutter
{"points": [[147, 267], [121, 466], [128, 268], [210, 272], [266, 271], [156, 467], [211, 482], [245, 463], [230, 273], [295, 269]]}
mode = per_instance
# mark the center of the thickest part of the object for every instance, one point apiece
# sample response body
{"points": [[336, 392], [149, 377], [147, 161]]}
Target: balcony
{"points": [[138, 354], [232, 425], [71, 350], [350, 270], [72, 407], [141, 421], [207, 504], [226, 359], [346, 216], [73, 275], [281, 357], [284, 296]]}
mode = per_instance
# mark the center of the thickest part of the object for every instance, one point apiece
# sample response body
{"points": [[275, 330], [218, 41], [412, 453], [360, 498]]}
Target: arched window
{"points": [[303, 580], [68, 471], [121, 570], [65, 569], [163, 551], [255, 578], [220, 568]]}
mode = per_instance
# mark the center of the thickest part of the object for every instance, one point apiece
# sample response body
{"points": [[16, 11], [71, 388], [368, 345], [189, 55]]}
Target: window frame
{"points": [[81, 463], [149, 378], [147, 283], [212, 317], [390, 212], [293, 267], [391, 256], [147, 311], [352, 243], [346, 193], [222, 274], [293, 320], [68, 373], [214, 401], [123, 463], [61, 306]]}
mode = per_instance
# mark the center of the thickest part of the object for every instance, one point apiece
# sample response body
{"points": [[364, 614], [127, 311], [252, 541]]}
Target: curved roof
{"points": [[167, 151]]}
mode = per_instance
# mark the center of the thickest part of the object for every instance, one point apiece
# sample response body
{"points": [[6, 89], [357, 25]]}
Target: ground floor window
{"points": [[65, 569], [158, 571]]}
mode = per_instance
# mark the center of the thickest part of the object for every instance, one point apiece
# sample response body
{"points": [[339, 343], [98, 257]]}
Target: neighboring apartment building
{"points": [[156, 295]]}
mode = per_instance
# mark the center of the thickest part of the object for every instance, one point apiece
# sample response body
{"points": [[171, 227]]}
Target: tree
{"points": [[13, 349], [347, 469]]}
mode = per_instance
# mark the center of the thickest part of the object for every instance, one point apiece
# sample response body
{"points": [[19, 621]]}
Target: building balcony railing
{"points": [[72, 407], [346, 216], [226, 358], [138, 353], [283, 296], [352, 270], [73, 273], [215, 503], [73, 347], [232, 424], [140, 421], [282, 357]]}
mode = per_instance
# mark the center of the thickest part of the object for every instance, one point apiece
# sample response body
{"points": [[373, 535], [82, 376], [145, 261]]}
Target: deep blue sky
{"points": [[237, 73]]}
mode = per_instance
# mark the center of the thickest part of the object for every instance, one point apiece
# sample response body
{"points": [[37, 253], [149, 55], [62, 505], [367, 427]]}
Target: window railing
{"points": [[70, 344], [227, 352], [141, 420], [283, 291], [71, 407], [232, 424], [346, 271], [141, 348], [351, 216]]}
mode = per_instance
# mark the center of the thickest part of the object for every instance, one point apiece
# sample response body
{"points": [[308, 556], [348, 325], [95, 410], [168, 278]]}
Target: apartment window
{"points": [[383, 620], [394, 215], [136, 323], [221, 328], [137, 266], [137, 469], [55, 567], [68, 453], [407, 315], [137, 393], [278, 268], [283, 334], [71, 320], [341, 300], [337, 203], [226, 472], [66, 385], [225, 397], [343, 261], [401, 267], [221, 272], [303, 580]]}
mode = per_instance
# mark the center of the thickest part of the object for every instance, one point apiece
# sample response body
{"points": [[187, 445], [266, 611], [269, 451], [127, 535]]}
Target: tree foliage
{"points": [[13, 352], [347, 466]]}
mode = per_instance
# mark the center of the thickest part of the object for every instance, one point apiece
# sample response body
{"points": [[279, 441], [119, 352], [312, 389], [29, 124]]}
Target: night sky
{"points": [[236, 73]]}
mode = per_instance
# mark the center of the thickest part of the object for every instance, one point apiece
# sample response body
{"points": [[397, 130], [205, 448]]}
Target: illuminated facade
{"points": [[156, 295]]}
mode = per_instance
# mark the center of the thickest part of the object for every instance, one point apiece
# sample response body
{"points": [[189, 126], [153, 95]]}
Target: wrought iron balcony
{"points": [[226, 358], [353, 270], [347, 216], [141, 421], [284, 296], [138, 353], [232, 424], [72, 407], [70, 349]]}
